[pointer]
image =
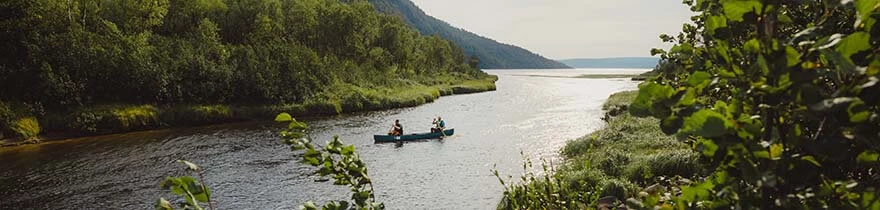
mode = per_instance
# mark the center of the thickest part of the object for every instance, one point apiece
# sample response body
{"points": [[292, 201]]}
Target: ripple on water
{"points": [[248, 168]]}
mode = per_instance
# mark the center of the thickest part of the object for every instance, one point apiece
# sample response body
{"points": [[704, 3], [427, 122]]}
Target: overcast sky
{"points": [[561, 29]]}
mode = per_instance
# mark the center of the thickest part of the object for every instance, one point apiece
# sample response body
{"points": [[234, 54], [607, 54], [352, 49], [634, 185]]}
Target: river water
{"points": [[247, 166]]}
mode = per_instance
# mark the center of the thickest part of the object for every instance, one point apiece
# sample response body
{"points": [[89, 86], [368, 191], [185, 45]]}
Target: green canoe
{"points": [[413, 136]]}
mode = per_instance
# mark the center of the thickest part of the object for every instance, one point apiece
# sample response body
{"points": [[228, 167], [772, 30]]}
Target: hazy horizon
{"points": [[566, 29]]}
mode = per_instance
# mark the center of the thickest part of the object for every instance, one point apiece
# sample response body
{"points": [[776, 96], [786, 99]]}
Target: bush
{"points": [[612, 162], [582, 179], [618, 188], [197, 115], [579, 146], [683, 163], [114, 118], [322, 107], [6, 118], [137, 117], [27, 128]]}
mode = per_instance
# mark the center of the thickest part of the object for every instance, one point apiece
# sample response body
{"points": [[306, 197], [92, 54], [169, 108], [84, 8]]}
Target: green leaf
{"points": [[868, 157], [792, 56], [870, 200], [697, 193], [735, 9], [706, 147], [689, 98], [706, 123], [313, 161], [776, 151], [309, 206], [854, 43], [865, 8], [361, 197], [752, 46], [347, 150], [714, 23], [699, 79], [651, 95], [857, 111], [811, 160], [284, 117], [163, 204], [297, 125]]}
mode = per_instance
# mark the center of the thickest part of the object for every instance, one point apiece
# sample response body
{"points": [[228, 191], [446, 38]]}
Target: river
{"points": [[247, 166]]}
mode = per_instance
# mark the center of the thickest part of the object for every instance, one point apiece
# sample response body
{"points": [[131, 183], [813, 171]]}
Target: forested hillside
{"points": [[65, 53], [491, 54], [61, 55]]}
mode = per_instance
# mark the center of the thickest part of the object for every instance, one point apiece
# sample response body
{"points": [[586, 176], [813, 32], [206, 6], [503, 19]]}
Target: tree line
{"points": [[70, 53]]}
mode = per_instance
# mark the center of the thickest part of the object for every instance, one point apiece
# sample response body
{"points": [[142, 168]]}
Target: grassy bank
{"points": [[622, 159], [21, 124]]}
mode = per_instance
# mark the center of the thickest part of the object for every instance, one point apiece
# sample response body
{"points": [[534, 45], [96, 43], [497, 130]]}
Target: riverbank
{"points": [[109, 119], [626, 156]]}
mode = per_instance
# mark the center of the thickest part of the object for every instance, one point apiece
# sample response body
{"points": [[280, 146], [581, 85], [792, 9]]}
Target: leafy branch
{"points": [[335, 160]]}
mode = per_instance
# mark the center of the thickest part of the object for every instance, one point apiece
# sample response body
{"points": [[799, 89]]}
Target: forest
{"points": [[62, 56]]}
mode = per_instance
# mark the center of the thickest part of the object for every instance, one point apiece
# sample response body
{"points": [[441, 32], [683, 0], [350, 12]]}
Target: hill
{"points": [[625, 62], [491, 54]]}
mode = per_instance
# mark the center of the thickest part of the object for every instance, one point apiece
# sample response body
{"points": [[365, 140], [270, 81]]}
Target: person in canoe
{"points": [[396, 129], [439, 125]]}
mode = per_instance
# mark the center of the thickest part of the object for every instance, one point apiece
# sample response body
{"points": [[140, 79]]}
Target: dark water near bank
{"points": [[247, 167]]}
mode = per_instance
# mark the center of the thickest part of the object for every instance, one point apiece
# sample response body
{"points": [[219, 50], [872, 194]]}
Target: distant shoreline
{"points": [[584, 76], [150, 117]]}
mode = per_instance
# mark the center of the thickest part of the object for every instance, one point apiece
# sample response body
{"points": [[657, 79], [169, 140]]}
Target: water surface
{"points": [[247, 167]]}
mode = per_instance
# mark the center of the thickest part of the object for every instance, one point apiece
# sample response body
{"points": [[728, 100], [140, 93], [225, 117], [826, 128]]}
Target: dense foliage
{"points": [[781, 98], [62, 54], [490, 53]]}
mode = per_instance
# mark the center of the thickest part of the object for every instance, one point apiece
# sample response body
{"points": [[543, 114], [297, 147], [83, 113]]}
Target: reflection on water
{"points": [[249, 168]]}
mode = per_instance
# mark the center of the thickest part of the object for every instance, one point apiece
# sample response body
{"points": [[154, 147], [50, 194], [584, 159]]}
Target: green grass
{"points": [[109, 118], [337, 99], [631, 149], [625, 156]]}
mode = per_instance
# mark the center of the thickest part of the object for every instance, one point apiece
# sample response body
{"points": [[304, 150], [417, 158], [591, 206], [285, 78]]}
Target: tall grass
{"points": [[625, 156]]}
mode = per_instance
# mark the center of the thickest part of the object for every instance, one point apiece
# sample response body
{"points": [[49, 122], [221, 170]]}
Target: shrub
{"points": [[197, 115], [612, 162], [618, 188], [27, 128], [322, 107], [579, 146], [684, 163], [582, 179], [6, 118], [114, 118], [135, 117]]}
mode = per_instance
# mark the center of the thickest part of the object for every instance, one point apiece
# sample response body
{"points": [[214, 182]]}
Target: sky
{"points": [[563, 29]]}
